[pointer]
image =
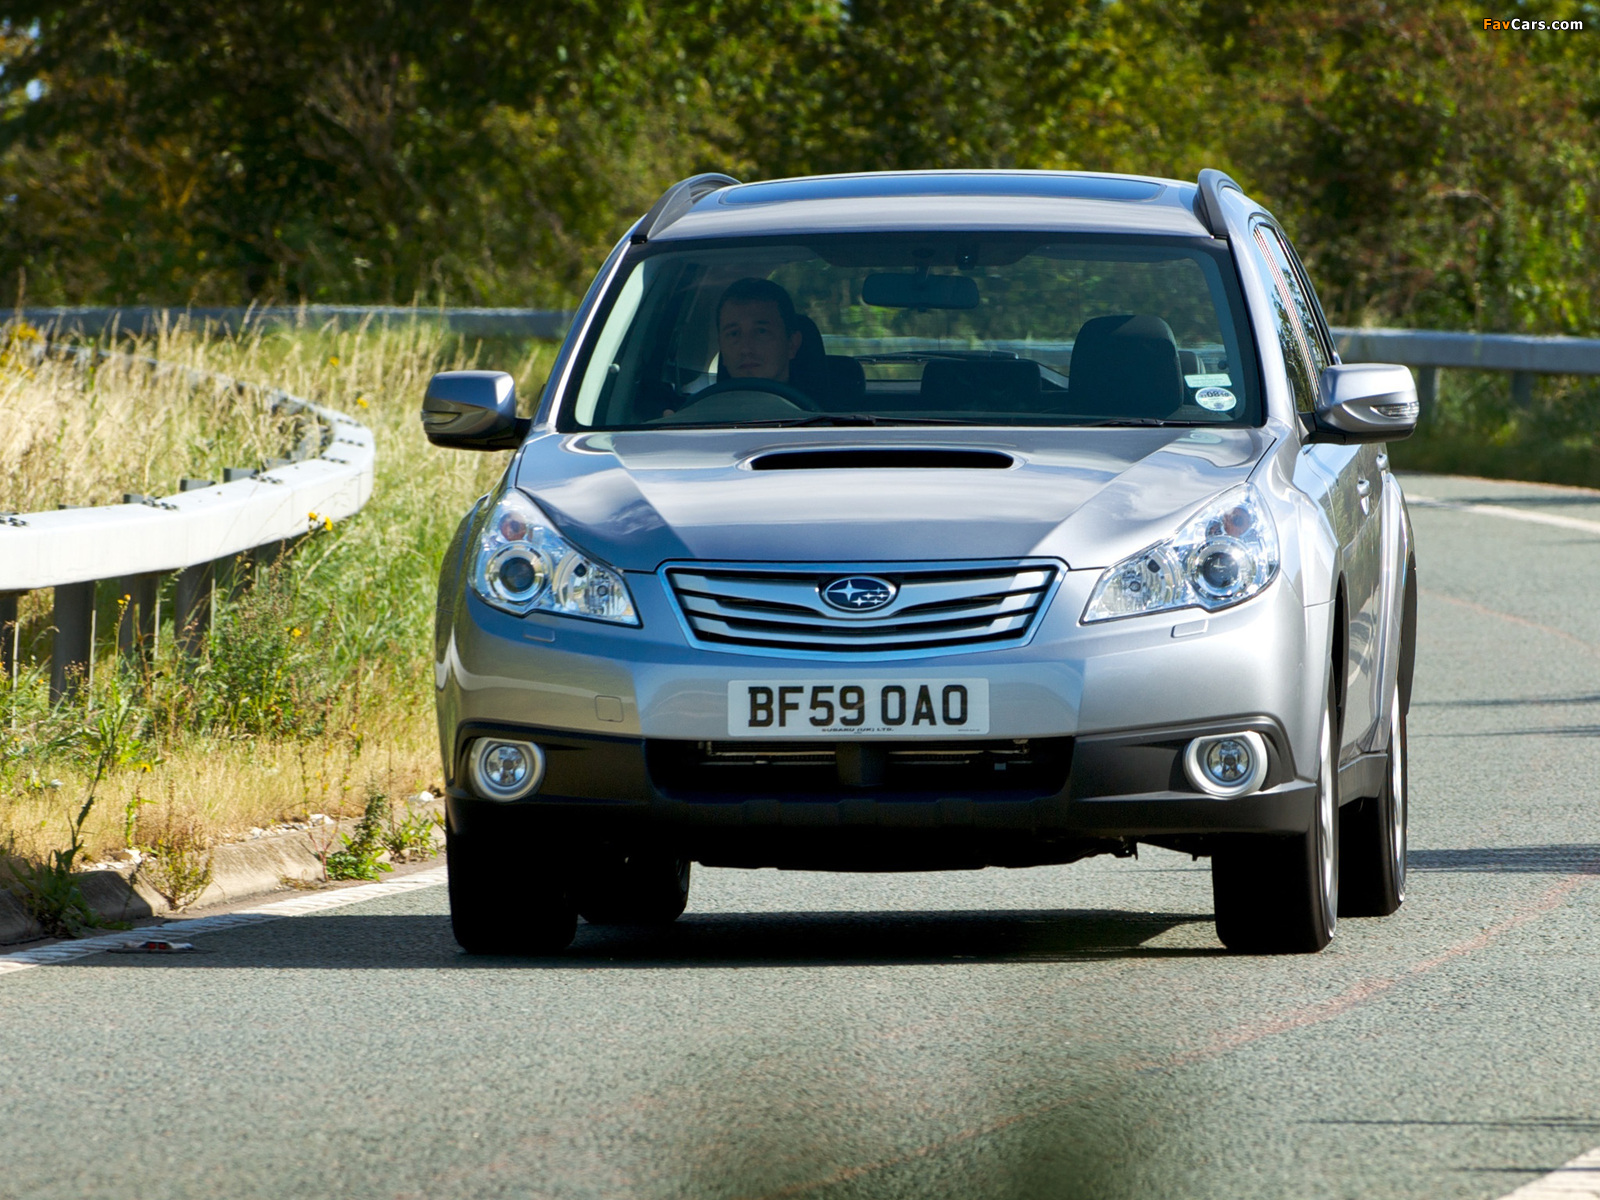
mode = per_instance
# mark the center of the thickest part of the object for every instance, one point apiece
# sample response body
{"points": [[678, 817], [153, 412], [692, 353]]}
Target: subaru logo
{"points": [[859, 593]]}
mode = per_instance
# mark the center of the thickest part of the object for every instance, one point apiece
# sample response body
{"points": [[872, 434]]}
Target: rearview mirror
{"points": [[1365, 402], [473, 410], [919, 291]]}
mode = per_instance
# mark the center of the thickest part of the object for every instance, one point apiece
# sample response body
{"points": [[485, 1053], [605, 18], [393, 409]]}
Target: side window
{"points": [[1303, 355], [1316, 319]]}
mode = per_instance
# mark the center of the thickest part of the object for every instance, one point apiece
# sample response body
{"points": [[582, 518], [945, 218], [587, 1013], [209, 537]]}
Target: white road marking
{"points": [[1510, 514], [1579, 1179], [296, 906]]}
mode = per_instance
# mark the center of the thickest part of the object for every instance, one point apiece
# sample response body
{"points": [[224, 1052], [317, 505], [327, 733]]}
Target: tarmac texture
{"points": [[1055, 1032]]}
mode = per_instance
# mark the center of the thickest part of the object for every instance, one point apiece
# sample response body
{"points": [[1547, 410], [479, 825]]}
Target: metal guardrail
{"points": [[1427, 351], [196, 532], [475, 322]]}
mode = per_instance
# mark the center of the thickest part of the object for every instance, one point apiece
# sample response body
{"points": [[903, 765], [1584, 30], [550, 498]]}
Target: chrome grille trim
{"points": [[777, 609]]}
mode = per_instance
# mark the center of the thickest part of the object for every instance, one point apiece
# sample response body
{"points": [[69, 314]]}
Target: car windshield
{"points": [[982, 329]]}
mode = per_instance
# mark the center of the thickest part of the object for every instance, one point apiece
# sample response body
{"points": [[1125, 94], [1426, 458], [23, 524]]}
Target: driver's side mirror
{"points": [[1365, 402], [473, 410]]}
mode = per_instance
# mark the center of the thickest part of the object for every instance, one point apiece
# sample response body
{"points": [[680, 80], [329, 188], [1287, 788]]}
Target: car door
{"points": [[1345, 479]]}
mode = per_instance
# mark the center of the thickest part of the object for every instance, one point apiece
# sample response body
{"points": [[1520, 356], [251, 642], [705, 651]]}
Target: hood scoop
{"points": [[874, 458]]}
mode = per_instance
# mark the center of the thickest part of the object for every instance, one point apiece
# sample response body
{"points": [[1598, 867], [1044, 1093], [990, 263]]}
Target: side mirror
{"points": [[473, 410], [1365, 402]]}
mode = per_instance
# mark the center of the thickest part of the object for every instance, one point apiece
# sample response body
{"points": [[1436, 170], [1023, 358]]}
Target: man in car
{"points": [[758, 334]]}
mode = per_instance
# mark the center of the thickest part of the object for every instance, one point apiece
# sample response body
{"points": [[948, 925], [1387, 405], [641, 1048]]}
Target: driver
{"points": [[757, 333]]}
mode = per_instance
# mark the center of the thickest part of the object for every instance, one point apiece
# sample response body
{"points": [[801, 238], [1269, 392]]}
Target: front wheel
{"points": [[493, 911], [1372, 834], [639, 889], [1280, 895]]}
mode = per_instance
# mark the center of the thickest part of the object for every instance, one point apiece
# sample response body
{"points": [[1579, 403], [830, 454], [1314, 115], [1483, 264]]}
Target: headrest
{"points": [[806, 367], [1125, 366]]}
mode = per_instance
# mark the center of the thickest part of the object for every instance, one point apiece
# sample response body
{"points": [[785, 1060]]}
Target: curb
{"points": [[239, 871]]}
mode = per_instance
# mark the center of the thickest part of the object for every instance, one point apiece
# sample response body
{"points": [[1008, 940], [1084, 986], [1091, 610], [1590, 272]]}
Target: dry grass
{"points": [[316, 687]]}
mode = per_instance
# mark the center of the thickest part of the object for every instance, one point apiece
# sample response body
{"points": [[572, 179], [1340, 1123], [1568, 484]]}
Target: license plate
{"points": [[836, 708]]}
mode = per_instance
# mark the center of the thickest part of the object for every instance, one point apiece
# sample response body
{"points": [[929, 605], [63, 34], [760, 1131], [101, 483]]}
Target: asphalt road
{"points": [[1059, 1032]]}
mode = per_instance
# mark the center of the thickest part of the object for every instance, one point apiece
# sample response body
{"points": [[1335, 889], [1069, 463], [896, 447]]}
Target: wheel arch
{"points": [[1338, 655], [1408, 634]]}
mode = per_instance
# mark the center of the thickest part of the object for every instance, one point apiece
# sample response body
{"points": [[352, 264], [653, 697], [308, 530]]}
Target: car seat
{"points": [[837, 382], [1125, 366]]}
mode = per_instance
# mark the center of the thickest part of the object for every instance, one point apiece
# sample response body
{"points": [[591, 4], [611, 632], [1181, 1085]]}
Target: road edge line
{"points": [[295, 906], [1575, 1180]]}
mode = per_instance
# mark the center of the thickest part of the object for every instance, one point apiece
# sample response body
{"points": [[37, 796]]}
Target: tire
{"points": [[1372, 833], [640, 889], [1280, 895], [493, 912]]}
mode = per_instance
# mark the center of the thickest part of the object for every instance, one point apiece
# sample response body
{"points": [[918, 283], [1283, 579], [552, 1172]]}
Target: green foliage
{"points": [[410, 838], [1433, 172], [177, 863], [257, 675], [1476, 429], [360, 857], [48, 889]]}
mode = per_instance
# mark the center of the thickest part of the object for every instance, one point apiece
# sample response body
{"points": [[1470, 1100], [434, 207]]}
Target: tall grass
{"points": [[315, 686], [1475, 428]]}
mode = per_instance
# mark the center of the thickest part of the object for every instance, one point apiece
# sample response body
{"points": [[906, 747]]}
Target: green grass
{"points": [[1474, 428], [314, 690]]}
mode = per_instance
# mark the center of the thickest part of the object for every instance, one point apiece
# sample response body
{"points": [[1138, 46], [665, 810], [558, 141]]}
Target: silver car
{"points": [[931, 520]]}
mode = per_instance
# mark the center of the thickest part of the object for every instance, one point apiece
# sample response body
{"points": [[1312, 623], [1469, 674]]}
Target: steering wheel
{"points": [[775, 387]]}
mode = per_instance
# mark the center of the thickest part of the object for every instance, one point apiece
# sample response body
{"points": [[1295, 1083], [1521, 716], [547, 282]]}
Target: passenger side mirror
{"points": [[1365, 402], [473, 410]]}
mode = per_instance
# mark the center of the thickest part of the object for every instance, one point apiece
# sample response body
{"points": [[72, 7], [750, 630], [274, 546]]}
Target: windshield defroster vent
{"points": [[888, 458]]}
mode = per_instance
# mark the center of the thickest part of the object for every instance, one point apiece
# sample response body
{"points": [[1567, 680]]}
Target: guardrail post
{"points": [[74, 622], [191, 599], [1522, 389], [10, 633], [191, 606], [271, 554], [1427, 387], [136, 627]]}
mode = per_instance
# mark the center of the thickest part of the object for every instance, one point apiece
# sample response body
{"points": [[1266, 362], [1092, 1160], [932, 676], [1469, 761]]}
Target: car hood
{"points": [[1087, 496]]}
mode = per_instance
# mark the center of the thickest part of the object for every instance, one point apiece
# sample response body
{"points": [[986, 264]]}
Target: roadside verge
{"points": [[239, 871]]}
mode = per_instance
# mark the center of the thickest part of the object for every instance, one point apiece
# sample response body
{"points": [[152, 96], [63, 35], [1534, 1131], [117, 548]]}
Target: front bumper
{"points": [[1088, 796], [1104, 711]]}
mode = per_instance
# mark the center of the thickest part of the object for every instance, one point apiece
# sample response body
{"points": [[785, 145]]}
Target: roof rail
{"points": [[1208, 203], [676, 201]]}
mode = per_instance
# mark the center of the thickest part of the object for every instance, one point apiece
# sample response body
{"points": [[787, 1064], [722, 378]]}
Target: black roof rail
{"points": [[677, 200], [1208, 203]]}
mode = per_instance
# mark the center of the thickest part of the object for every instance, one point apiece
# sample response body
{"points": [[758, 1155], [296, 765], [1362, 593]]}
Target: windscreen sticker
{"points": [[1216, 399], [1216, 379]]}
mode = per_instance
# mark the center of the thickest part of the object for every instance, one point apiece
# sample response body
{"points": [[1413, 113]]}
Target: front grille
{"points": [[934, 607]]}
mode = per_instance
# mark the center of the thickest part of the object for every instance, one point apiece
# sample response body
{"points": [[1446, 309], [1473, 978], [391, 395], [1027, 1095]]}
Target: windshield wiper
{"points": [[851, 419], [1148, 421]]}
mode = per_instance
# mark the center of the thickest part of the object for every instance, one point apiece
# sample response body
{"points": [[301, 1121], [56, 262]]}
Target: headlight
{"points": [[1226, 554], [524, 566]]}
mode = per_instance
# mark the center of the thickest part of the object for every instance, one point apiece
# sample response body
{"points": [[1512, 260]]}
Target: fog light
{"points": [[504, 770], [1227, 765]]}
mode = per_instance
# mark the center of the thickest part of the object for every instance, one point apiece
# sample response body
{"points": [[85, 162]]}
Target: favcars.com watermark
{"points": [[1519, 23]]}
